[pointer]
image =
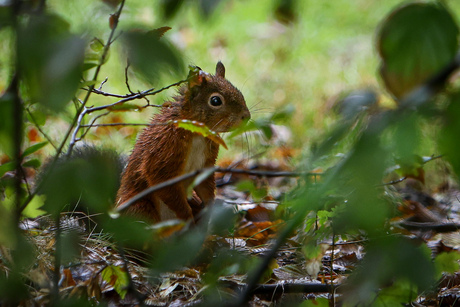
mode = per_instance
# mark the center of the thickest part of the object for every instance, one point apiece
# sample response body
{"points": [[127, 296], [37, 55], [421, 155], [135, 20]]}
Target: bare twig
{"points": [[57, 258], [332, 269], [102, 83], [157, 187], [265, 173], [13, 89], [433, 157], [83, 110], [126, 77], [393, 181], [139, 95], [119, 124], [100, 92], [91, 124], [186, 176], [438, 227], [294, 288]]}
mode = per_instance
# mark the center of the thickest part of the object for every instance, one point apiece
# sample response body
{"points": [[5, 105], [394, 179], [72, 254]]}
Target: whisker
{"points": [[255, 105], [266, 110], [213, 127], [248, 152]]}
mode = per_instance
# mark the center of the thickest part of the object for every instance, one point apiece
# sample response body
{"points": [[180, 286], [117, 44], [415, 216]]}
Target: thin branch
{"points": [[433, 157], [100, 92], [91, 124], [265, 173], [102, 83], [17, 143], [119, 124], [294, 288], [139, 95], [157, 187], [437, 227], [57, 258], [34, 121], [126, 77], [77, 120], [393, 181]]}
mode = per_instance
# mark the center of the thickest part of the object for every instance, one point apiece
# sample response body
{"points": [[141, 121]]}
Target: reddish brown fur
{"points": [[162, 151]]}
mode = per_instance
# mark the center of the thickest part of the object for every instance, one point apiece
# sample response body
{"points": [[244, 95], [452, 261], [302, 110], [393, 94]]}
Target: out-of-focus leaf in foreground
{"points": [[152, 56], [50, 60], [415, 42]]}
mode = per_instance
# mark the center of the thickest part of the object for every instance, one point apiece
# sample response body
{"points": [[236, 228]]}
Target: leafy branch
{"points": [[77, 119], [415, 98]]}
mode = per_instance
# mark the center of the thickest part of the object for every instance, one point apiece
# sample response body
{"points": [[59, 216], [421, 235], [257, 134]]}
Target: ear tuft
{"points": [[220, 70]]}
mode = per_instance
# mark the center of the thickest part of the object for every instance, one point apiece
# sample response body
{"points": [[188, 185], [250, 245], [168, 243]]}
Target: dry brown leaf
{"points": [[68, 279]]}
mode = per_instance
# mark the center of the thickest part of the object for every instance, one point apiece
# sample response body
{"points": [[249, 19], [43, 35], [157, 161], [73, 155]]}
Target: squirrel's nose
{"points": [[246, 115]]}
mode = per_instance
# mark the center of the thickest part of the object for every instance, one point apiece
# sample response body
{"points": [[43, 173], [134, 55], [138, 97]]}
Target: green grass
{"points": [[329, 50]]}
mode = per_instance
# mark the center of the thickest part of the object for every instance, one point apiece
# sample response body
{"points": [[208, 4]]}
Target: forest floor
{"points": [[99, 273]]}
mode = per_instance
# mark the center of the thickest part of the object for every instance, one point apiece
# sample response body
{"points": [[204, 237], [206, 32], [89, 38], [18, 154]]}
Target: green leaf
{"points": [[397, 294], [90, 176], [33, 207], [249, 186], [89, 83], [93, 54], [207, 7], [6, 124], [200, 128], [447, 263], [170, 7], [35, 163], [39, 117], [7, 227], [317, 302], [117, 277], [6, 167], [450, 132], [50, 60], [5, 15], [88, 66], [284, 114], [410, 166], [356, 102], [415, 41], [96, 45], [152, 56], [202, 176], [33, 149]]}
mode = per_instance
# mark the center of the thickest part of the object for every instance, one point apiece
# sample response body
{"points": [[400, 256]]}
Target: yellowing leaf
{"points": [[117, 277], [200, 128]]}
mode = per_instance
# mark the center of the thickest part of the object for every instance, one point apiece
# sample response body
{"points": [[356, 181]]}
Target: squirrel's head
{"points": [[214, 101]]}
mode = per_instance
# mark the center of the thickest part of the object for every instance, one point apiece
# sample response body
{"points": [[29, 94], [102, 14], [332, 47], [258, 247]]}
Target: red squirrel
{"points": [[163, 151]]}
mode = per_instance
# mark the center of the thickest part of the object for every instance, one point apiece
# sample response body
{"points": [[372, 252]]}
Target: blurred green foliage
{"points": [[296, 53]]}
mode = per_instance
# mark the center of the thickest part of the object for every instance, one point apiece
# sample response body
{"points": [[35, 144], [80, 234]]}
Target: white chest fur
{"points": [[196, 158]]}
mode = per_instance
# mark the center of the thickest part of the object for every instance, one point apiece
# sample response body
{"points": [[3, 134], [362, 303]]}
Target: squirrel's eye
{"points": [[215, 101]]}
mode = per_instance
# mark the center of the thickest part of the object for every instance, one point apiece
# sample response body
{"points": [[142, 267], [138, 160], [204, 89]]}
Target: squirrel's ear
{"points": [[220, 69], [197, 77]]}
